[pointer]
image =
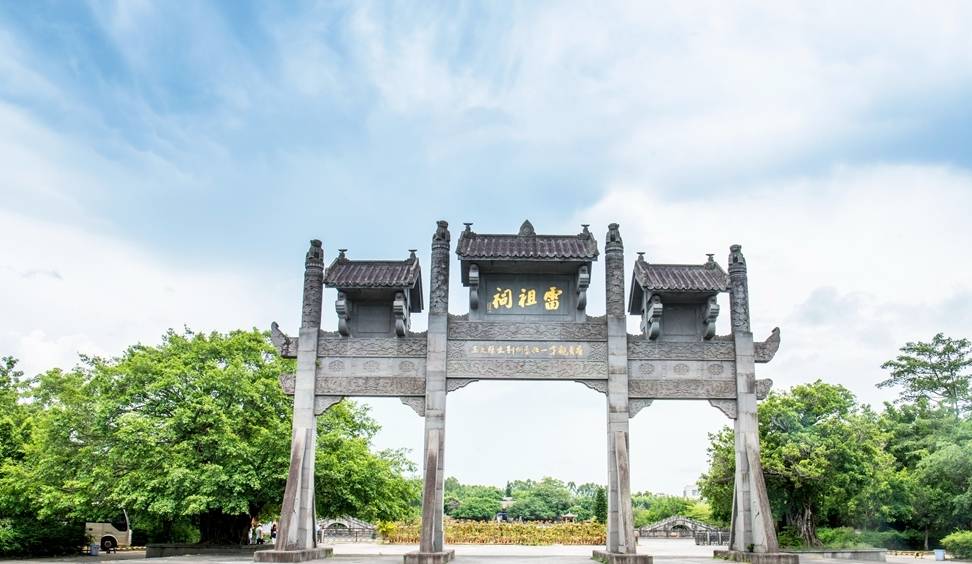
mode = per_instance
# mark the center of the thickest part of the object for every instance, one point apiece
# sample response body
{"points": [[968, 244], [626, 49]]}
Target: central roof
{"points": [[526, 245]]}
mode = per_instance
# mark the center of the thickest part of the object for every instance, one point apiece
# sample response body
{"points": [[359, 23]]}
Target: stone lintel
{"points": [[430, 557], [274, 555], [617, 558]]}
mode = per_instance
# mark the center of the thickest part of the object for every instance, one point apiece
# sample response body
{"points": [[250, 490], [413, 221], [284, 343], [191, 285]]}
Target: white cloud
{"points": [[109, 294], [850, 265]]}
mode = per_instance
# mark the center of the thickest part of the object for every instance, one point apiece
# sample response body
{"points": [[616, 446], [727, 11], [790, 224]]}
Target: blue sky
{"points": [[165, 163]]}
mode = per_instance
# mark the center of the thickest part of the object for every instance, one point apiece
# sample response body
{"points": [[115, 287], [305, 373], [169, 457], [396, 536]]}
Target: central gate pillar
{"points": [[431, 545], [752, 530], [620, 523]]}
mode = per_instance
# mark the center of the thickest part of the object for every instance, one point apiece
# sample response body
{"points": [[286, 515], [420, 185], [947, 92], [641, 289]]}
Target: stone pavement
{"points": [[665, 551]]}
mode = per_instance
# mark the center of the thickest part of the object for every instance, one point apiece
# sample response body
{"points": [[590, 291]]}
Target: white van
{"points": [[113, 534]]}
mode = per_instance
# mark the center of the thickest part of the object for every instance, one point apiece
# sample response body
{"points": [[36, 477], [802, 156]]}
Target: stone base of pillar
{"points": [[430, 557], [757, 557], [618, 558], [274, 555]]}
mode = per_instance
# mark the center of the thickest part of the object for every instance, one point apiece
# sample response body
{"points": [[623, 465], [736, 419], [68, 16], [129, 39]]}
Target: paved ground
{"points": [[665, 551]]}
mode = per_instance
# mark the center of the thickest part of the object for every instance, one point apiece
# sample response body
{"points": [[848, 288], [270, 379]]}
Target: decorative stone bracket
{"points": [[343, 308], [651, 318], [473, 286], [583, 281]]}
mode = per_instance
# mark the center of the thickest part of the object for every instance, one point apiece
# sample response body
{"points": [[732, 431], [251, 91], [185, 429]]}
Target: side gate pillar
{"points": [[752, 529], [620, 523], [431, 545], [296, 537]]}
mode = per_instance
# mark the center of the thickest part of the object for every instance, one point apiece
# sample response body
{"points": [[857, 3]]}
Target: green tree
{"points": [[600, 505], [823, 458], [546, 500], [197, 430], [944, 482], [478, 507], [939, 371], [22, 529]]}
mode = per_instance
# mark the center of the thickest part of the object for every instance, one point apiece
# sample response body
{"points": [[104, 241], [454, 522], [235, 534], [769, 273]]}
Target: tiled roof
{"points": [[527, 245], [345, 273], [707, 277]]}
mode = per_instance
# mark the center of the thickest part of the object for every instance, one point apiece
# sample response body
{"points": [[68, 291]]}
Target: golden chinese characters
{"points": [[551, 298], [503, 298], [528, 297]]}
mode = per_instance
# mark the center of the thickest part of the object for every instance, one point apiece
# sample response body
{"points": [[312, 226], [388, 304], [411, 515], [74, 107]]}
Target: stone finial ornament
{"points": [[614, 233], [441, 231], [526, 230], [738, 290], [316, 251]]}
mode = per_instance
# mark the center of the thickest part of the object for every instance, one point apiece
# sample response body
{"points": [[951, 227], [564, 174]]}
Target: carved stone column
{"points": [[620, 526], [296, 539], [432, 537], [752, 521]]}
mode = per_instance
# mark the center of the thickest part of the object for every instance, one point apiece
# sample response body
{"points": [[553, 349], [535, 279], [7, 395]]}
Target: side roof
{"points": [[347, 274], [707, 278]]}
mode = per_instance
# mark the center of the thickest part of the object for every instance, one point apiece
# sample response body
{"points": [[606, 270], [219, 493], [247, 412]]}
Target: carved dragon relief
{"points": [[286, 346]]}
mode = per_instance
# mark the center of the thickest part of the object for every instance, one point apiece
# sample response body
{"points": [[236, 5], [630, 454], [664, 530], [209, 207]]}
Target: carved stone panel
{"points": [[641, 348], [363, 386], [594, 329], [415, 345], [371, 366], [681, 369], [548, 369], [682, 389], [691, 389]]}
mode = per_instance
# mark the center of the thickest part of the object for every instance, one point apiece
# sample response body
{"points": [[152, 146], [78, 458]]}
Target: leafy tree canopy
{"points": [[939, 371]]}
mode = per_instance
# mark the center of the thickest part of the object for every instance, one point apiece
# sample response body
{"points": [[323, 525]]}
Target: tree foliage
{"points": [[823, 457], [193, 431], [939, 371]]}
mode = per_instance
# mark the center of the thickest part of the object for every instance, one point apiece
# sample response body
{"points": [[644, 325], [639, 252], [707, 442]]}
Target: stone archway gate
{"points": [[527, 320]]}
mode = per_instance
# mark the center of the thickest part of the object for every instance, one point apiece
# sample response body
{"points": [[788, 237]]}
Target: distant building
{"points": [[691, 492]]}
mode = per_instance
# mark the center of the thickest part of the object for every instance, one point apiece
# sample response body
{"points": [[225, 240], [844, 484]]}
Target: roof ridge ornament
{"points": [[526, 230], [342, 255]]}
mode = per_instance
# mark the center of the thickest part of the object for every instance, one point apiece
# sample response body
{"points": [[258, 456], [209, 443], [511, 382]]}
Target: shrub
{"points": [[35, 537], [790, 538], [959, 544], [528, 533]]}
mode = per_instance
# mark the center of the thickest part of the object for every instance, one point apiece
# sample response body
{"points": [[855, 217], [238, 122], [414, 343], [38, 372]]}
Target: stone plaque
{"points": [[526, 349], [529, 295]]}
